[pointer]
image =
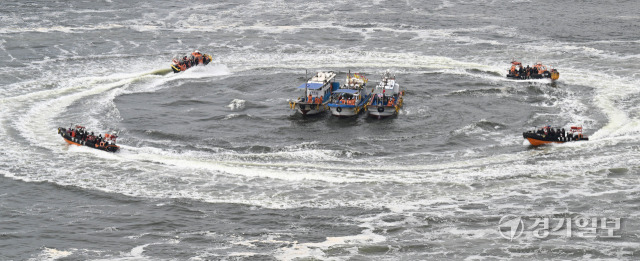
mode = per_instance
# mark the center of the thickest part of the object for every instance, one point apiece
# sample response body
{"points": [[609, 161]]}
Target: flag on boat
{"points": [[361, 77]]}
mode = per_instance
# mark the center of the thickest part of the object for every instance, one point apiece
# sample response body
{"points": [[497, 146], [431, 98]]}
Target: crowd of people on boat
{"points": [[346, 100], [196, 58], [559, 134], [81, 134], [517, 70], [311, 99], [382, 100]]}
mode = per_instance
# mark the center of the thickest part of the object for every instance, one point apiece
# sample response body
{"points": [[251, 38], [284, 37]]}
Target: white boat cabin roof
{"points": [[389, 86]]}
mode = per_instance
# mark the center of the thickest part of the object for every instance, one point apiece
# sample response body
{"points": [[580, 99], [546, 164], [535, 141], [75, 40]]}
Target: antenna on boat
{"points": [[306, 84]]}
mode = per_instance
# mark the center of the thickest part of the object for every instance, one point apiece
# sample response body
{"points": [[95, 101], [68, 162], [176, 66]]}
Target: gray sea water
{"points": [[215, 166]]}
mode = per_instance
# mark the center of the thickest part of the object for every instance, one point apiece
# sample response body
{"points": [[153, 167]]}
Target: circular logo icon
{"points": [[510, 227]]}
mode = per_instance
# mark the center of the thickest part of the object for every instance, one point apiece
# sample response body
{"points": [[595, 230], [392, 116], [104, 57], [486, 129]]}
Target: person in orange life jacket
{"points": [[198, 56], [309, 99], [183, 64], [537, 68]]}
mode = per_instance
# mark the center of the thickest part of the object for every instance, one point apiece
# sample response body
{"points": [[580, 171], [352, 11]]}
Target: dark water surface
{"points": [[214, 165]]}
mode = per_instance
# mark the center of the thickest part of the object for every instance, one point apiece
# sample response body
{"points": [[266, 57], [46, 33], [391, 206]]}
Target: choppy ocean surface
{"points": [[214, 165]]}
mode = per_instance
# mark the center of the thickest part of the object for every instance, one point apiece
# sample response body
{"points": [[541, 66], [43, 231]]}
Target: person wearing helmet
{"points": [[197, 57]]}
